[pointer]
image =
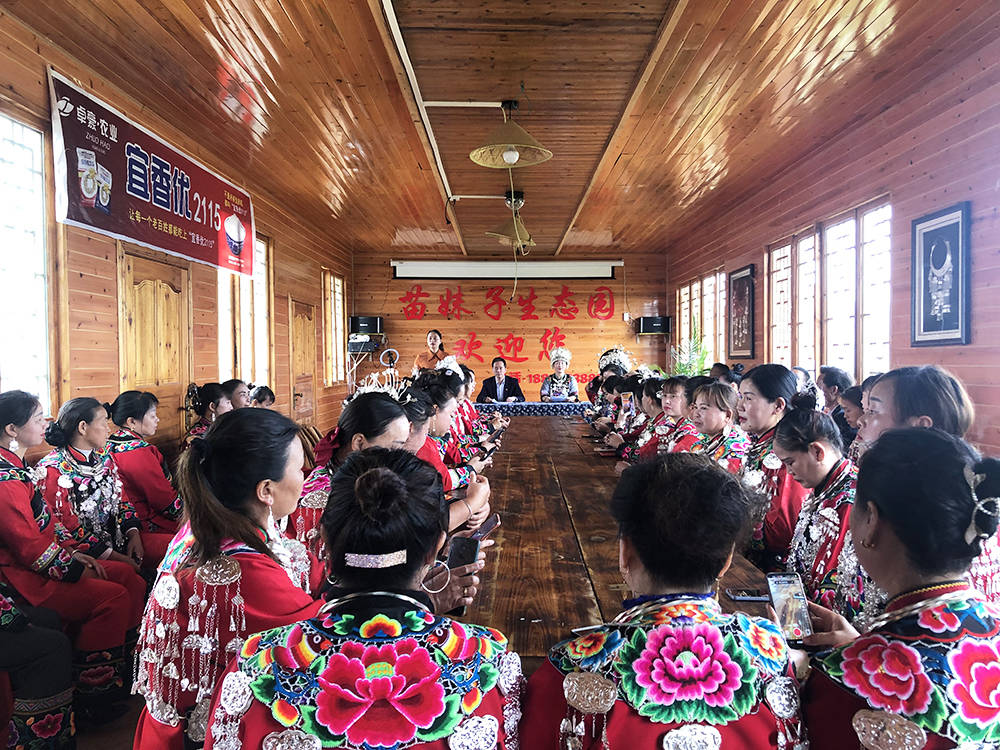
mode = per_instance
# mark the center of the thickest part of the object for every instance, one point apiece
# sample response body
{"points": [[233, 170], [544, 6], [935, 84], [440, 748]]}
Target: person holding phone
{"points": [[671, 670], [926, 501], [644, 444], [808, 443], [376, 667]]}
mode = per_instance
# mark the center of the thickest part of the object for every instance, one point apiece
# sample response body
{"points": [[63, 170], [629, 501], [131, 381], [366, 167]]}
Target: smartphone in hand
{"points": [[487, 528], [788, 596]]}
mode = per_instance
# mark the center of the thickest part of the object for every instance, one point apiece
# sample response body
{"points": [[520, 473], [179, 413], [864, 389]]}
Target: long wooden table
{"points": [[555, 564]]}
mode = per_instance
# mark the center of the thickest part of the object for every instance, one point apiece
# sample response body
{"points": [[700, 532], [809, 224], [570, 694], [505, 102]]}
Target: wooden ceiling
{"points": [[660, 113]]}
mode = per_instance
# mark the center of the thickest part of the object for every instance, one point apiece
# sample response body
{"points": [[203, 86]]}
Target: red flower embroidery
{"points": [[379, 695], [939, 620], [976, 665], [888, 675], [97, 676], [48, 726]]}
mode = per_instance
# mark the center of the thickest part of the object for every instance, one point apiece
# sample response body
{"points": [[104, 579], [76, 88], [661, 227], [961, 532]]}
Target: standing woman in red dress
{"points": [[766, 394], [144, 471], [95, 600], [229, 571], [208, 402], [925, 673]]}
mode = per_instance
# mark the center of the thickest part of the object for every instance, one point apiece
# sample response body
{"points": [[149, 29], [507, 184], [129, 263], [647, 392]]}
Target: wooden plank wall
{"points": [[933, 149], [84, 279], [377, 293]]}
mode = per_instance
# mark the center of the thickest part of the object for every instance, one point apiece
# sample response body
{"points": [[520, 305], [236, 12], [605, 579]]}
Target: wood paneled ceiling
{"points": [[660, 113]]}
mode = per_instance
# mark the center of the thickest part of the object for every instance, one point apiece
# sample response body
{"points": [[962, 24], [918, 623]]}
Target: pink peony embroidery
{"points": [[939, 620], [687, 664], [976, 665], [379, 695], [48, 726], [888, 675]]}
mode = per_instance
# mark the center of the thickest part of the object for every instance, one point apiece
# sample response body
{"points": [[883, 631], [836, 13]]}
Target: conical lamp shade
{"points": [[507, 236], [509, 136]]}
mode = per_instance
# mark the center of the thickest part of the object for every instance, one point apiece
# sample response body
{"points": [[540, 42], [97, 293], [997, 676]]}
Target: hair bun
{"points": [[56, 436], [202, 448], [380, 492], [804, 400]]}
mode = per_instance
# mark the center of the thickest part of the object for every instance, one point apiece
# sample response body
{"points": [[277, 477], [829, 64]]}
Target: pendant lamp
{"points": [[508, 147], [507, 235]]}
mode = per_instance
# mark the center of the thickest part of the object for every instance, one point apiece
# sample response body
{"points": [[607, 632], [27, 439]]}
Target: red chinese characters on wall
{"points": [[465, 349], [510, 348], [413, 306], [495, 302], [549, 340], [601, 305], [564, 307], [527, 304], [451, 304]]}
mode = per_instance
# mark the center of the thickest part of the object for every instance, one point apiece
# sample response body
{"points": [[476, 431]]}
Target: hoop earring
{"points": [[447, 580]]}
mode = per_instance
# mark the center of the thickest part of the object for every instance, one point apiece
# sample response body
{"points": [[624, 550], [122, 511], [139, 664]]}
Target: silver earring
{"points": [[13, 445]]}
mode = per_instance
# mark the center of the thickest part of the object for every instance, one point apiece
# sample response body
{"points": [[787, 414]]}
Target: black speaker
{"points": [[653, 324], [357, 347], [365, 324]]}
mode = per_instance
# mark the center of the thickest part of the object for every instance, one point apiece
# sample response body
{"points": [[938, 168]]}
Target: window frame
{"points": [[332, 376], [56, 275], [243, 363], [693, 292], [821, 336]]}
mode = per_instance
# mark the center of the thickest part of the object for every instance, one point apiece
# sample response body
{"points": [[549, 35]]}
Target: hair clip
{"points": [[389, 560], [972, 533]]}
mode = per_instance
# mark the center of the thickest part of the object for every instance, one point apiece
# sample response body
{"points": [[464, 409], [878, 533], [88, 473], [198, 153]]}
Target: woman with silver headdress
{"points": [[228, 571], [375, 667], [560, 385]]}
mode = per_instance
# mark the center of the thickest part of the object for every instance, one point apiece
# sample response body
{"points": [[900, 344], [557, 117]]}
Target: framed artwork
{"points": [[741, 310], [940, 265]]}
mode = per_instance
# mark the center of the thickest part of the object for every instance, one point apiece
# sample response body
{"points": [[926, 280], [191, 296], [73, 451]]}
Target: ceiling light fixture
{"points": [[510, 145]]}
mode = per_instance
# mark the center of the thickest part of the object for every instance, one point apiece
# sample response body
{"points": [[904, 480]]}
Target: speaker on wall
{"points": [[365, 324], [653, 324]]}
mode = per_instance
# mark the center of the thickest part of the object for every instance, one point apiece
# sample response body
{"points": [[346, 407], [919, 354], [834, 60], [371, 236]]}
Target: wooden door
{"points": [[154, 337], [303, 359]]}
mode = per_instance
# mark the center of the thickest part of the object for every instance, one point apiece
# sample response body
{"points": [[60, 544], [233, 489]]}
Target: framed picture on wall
{"points": [[741, 298], [941, 299]]}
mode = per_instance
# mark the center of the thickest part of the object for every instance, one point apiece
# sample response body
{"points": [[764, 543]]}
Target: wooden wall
{"points": [[84, 279], [935, 148], [586, 334]]}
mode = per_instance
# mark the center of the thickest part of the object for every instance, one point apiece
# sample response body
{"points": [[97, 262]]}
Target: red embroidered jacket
{"points": [[35, 551], [146, 480]]}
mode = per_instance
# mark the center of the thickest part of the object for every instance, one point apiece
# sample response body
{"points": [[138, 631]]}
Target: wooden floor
{"points": [[555, 563]]}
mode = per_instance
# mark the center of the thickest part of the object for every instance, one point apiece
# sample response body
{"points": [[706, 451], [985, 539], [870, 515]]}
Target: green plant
{"points": [[691, 357]]}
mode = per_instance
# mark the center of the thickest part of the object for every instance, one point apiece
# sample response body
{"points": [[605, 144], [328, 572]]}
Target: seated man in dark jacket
{"points": [[500, 387]]}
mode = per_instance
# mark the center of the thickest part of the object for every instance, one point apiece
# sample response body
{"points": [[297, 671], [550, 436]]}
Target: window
{"points": [[780, 300], [335, 330], [701, 312], [24, 366], [244, 320], [848, 272]]}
